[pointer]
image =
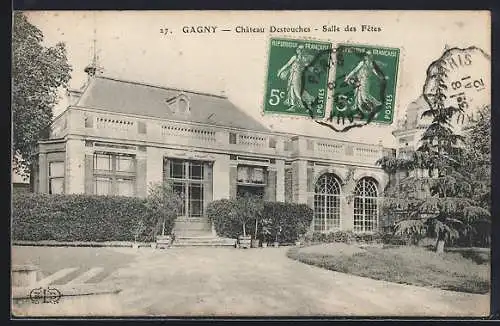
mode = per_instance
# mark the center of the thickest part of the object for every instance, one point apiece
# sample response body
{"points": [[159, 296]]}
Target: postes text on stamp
{"points": [[365, 83], [297, 77]]}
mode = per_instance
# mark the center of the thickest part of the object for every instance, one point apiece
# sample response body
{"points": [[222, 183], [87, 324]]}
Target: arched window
{"points": [[327, 203], [365, 205]]}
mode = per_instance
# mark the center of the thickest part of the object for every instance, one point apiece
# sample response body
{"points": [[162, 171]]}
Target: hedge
{"points": [[37, 217], [294, 220], [219, 213], [352, 237]]}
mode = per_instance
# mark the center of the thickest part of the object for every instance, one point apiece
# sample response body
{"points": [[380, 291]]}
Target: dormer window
{"points": [[183, 105], [179, 104]]}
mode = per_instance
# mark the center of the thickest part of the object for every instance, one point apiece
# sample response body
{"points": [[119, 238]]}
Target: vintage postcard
{"points": [[251, 163]]}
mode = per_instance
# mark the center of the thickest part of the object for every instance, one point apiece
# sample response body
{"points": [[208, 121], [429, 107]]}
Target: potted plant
{"points": [[255, 240], [244, 240], [277, 220], [266, 231], [163, 240], [246, 209], [164, 205]]}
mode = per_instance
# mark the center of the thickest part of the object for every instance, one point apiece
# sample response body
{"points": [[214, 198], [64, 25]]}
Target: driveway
{"points": [[264, 282]]}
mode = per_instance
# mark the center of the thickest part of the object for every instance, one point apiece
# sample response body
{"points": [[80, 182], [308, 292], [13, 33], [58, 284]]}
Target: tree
{"points": [[246, 210], [442, 205], [477, 168], [38, 73], [164, 204]]}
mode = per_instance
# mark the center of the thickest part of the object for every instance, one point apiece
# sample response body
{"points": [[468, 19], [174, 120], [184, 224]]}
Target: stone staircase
{"points": [[197, 232]]}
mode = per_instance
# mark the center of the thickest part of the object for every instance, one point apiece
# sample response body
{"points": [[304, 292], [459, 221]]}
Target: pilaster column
{"points": [[299, 182], [280, 180], [43, 171]]}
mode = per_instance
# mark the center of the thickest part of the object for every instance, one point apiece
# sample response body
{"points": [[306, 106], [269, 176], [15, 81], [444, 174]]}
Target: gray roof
{"points": [[136, 98]]}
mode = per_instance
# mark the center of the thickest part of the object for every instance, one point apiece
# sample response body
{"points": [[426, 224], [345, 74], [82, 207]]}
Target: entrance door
{"points": [[192, 182]]}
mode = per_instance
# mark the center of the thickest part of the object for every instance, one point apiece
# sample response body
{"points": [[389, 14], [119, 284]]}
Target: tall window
{"points": [[102, 186], [114, 174], [56, 177], [327, 203], [188, 179], [365, 205]]}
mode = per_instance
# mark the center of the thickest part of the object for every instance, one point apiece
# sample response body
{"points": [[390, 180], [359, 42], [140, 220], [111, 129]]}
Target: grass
{"points": [[406, 264]]}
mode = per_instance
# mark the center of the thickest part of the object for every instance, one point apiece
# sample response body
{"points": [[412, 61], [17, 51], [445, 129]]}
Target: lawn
{"points": [[405, 264]]}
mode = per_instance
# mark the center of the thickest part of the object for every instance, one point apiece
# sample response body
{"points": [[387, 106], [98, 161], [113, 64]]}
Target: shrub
{"points": [[286, 221], [345, 237], [219, 213], [236, 217], [38, 217], [165, 204]]}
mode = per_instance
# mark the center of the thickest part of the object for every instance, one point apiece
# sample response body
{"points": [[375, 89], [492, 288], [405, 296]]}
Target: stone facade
{"points": [[122, 153]]}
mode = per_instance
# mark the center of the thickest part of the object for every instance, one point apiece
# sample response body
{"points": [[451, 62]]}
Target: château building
{"points": [[116, 137]]}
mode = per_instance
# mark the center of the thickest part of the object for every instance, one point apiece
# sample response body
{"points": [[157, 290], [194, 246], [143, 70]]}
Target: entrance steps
{"points": [[203, 241], [194, 226], [197, 232]]}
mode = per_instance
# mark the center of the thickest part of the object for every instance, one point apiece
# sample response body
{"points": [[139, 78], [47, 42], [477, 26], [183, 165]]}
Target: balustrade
{"points": [[216, 137]]}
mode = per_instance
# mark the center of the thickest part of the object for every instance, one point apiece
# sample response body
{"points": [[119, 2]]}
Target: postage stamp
{"points": [[365, 83], [297, 77]]}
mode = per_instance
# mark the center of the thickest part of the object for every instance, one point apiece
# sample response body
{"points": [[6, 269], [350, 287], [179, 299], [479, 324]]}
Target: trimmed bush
{"points": [[293, 220], [346, 237], [38, 217], [219, 212], [287, 221]]}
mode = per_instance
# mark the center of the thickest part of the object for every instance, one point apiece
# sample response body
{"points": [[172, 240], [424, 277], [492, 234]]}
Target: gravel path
{"points": [[264, 282]]}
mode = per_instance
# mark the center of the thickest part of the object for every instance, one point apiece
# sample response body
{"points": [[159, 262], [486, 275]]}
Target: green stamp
{"points": [[297, 77], [365, 83]]}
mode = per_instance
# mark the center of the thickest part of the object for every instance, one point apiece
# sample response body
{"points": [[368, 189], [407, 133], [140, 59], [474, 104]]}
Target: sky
{"points": [[131, 47]]}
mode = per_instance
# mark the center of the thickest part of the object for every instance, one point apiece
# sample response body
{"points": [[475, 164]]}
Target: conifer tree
{"points": [[439, 199]]}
